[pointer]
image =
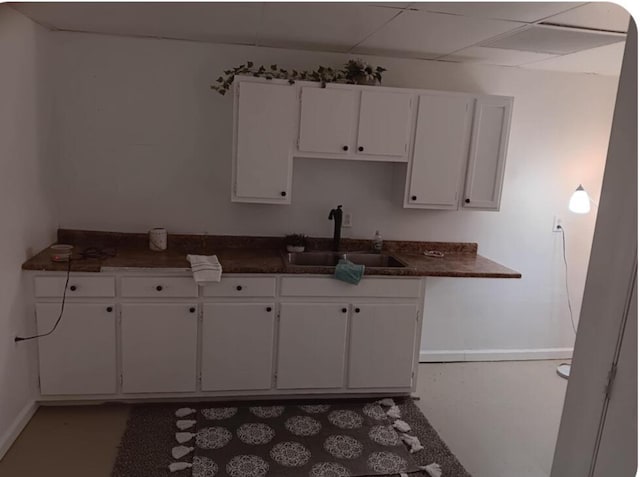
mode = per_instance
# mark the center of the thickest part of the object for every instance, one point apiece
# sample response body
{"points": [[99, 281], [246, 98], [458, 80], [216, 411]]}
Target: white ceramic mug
{"points": [[158, 239]]}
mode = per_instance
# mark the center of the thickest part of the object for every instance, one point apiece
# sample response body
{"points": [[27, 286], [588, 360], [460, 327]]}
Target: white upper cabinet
{"points": [[455, 144], [485, 171], [383, 128], [327, 120], [436, 169], [263, 143]]}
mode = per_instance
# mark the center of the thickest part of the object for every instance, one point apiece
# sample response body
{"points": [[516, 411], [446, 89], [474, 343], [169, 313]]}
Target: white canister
{"points": [[158, 239]]}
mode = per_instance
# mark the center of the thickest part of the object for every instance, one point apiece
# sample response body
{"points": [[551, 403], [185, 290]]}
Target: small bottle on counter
{"points": [[377, 242]]}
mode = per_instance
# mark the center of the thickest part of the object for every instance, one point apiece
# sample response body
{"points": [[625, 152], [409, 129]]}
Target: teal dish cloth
{"points": [[349, 272]]}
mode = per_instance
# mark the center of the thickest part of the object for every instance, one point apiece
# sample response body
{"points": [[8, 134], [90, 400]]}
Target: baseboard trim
{"points": [[14, 430], [441, 356]]}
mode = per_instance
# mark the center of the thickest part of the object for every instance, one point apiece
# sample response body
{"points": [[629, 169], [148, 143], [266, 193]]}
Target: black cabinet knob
{"points": [[73, 288], [192, 309], [344, 310], [357, 310], [159, 288], [413, 197], [283, 194], [345, 148], [239, 287], [109, 309], [269, 308], [467, 200], [360, 148]]}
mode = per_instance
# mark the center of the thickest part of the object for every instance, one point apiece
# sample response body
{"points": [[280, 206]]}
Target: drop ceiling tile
{"points": [[221, 22], [430, 35], [599, 15], [553, 40], [400, 5], [518, 11], [606, 60], [495, 56], [337, 26]]}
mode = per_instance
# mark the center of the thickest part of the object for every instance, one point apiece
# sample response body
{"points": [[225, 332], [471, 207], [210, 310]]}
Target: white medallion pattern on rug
{"points": [[329, 469], [386, 463], [302, 426], [255, 433], [374, 411], [247, 466], [219, 413], [345, 419], [290, 454], [203, 467], [315, 408], [266, 412], [343, 447], [213, 437], [384, 435]]}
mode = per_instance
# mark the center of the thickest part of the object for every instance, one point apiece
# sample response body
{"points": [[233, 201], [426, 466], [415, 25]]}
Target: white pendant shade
{"points": [[580, 202]]}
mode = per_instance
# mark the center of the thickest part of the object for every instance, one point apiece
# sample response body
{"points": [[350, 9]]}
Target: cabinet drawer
{"points": [[368, 287], [242, 287], [78, 286], [159, 287]]}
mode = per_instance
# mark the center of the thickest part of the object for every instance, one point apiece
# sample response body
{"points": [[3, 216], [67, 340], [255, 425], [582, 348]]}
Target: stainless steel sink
{"points": [[330, 259]]}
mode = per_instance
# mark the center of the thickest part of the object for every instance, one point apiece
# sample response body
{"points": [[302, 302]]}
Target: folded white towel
{"points": [[206, 269]]}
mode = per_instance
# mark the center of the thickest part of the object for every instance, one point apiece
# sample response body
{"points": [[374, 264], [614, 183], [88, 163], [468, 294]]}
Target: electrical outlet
{"points": [[347, 219], [557, 224]]}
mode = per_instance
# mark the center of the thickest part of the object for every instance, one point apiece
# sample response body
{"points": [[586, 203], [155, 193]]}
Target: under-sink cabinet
{"points": [[159, 335], [451, 145], [312, 345]]}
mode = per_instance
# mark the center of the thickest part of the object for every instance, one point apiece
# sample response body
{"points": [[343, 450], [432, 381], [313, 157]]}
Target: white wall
{"points": [[27, 201], [145, 142]]}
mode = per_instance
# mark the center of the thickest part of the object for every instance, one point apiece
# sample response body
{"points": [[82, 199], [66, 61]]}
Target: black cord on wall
{"points": [[64, 296], [566, 278]]}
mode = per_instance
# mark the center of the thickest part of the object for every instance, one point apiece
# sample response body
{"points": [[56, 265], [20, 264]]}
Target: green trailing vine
{"points": [[352, 72]]}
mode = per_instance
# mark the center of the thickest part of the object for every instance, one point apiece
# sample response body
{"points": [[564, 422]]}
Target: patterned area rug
{"points": [[323, 440], [332, 438]]}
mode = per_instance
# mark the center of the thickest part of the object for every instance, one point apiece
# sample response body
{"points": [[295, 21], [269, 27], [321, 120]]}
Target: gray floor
{"points": [[500, 419]]}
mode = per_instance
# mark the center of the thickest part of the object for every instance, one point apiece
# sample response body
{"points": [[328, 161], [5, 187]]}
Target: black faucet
{"points": [[336, 215]]}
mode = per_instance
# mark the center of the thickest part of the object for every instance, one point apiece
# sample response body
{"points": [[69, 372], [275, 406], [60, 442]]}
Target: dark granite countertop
{"points": [[262, 255]]}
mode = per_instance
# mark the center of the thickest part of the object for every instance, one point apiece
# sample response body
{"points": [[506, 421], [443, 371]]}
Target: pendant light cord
{"points": [[64, 296]]}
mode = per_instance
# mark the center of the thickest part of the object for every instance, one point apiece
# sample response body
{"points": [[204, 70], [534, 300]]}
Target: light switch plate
{"points": [[347, 219]]}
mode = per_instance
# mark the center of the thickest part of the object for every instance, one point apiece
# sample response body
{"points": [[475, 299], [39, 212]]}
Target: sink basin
{"points": [[330, 259]]}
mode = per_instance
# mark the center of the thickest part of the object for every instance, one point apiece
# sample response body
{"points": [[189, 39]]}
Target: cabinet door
{"points": [[266, 116], [311, 345], [383, 128], [440, 152], [485, 172], [382, 345], [159, 347], [327, 118], [79, 357], [237, 346]]}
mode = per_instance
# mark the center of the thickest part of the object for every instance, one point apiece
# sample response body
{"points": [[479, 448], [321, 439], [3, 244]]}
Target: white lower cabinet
{"points": [[79, 357], [159, 347], [382, 345], [237, 346], [257, 335], [312, 345]]}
